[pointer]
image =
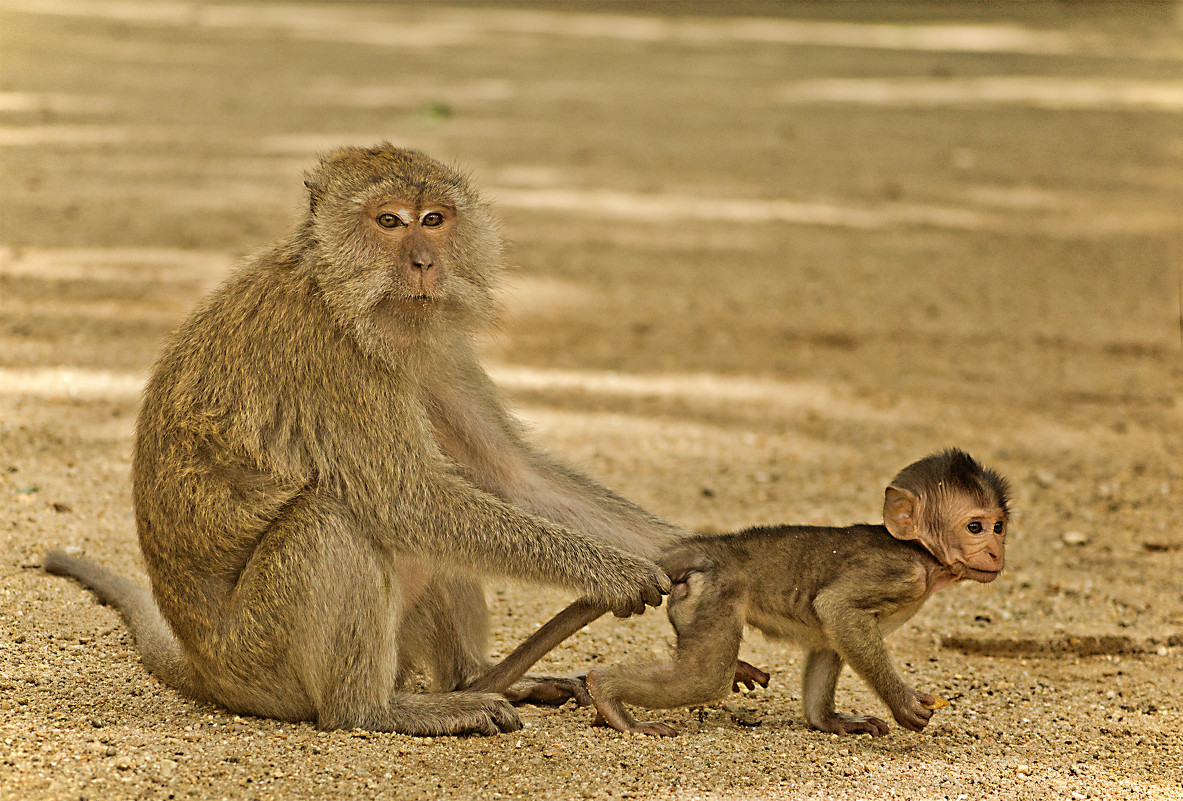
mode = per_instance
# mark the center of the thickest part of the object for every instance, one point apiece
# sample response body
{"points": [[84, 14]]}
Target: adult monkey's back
{"points": [[323, 471]]}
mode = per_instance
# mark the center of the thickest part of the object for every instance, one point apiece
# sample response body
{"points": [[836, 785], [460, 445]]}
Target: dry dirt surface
{"points": [[763, 256]]}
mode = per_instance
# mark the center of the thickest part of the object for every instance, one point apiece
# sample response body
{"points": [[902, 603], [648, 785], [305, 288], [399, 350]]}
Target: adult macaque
{"points": [[323, 472], [837, 591]]}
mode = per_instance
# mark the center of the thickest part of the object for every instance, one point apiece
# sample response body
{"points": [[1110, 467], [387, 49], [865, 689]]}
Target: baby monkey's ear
{"points": [[901, 513]]}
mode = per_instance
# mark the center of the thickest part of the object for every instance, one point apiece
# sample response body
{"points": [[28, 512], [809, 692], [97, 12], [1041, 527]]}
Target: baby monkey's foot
{"points": [[631, 726], [611, 712], [548, 690], [853, 724], [749, 676]]}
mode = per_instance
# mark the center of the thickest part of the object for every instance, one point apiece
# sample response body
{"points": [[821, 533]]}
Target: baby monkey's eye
{"points": [[433, 219], [389, 220], [975, 527], [998, 527]]}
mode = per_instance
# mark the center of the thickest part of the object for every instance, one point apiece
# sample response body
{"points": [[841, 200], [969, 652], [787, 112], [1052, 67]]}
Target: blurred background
{"points": [[763, 254]]}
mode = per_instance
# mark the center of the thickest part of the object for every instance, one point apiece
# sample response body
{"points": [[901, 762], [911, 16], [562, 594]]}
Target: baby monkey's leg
{"points": [[819, 681], [707, 615]]}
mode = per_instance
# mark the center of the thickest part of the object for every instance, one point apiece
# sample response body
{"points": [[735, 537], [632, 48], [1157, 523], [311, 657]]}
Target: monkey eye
{"points": [[433, 219], [998, 527], [975, 527], [388, 220]]}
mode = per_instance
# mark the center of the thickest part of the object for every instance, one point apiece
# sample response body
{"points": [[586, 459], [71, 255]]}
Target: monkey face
{"points": [[955, 508], [961, 534], [414, 235], [400, 245], [976, 540]]}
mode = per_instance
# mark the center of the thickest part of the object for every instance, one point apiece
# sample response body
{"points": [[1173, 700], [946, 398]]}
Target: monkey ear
{"points": [[314, 195], [901, 513]]}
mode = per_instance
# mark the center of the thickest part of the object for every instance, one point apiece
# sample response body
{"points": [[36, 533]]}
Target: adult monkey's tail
{"points": [[158, 647]]}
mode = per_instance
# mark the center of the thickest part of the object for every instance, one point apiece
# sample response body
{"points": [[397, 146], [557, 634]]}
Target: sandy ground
{"points": [[765, 255]]}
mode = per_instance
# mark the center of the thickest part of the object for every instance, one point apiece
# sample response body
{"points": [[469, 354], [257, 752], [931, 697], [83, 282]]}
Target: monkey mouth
{"points": [[420, 300], [984, 576]]}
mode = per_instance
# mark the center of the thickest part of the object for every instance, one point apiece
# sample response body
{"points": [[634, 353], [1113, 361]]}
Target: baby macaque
{"points": [[836, 591]]}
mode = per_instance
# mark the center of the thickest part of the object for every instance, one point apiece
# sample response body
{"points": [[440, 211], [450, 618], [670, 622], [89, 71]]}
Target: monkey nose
{"points": [[422, 258]]}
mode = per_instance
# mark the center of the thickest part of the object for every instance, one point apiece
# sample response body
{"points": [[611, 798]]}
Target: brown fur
{"points": [[323, 472], [836, 591]]}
